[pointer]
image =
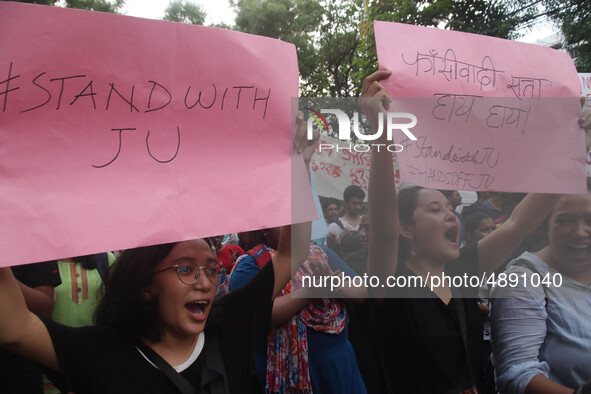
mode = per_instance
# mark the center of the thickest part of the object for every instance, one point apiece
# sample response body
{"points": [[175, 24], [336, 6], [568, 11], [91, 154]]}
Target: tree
{"points": [[44, 2], [497, 18], [293, 21], [184, 11], [113, 6], [97, 5], [336, 45], [325, 34], [574, 19], [492, 18]]}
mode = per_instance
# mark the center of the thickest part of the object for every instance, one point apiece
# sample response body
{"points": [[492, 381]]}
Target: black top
{"points": [[18, 374], [423, 349], [98, 360], [38, 274], [362, 332], [357, 261]]}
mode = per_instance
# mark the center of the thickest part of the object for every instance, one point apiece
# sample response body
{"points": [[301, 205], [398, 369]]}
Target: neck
{"points": [[352, 219], [428, 268], [173, 349], [425, 267]]}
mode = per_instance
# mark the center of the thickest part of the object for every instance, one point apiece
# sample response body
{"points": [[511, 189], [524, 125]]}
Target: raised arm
{"points": [[40, 299], [295, 239], [21, 331], [528, 215], [382, 198]]}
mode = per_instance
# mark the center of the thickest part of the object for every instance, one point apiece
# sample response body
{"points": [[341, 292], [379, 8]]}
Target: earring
{"points": [[412, 253]]}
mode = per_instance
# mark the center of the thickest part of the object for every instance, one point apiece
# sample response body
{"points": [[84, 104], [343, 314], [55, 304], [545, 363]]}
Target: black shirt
{"points": [[357, 261], [423, 349], [18, 374], [98, 360]]}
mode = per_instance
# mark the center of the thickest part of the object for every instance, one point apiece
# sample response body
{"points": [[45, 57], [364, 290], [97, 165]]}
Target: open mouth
{"points": [[197, 309], [452, 235]]}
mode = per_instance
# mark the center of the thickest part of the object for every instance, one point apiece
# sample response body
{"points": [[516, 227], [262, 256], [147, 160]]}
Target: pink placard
{"points": [[492, 114], [118, 132]]}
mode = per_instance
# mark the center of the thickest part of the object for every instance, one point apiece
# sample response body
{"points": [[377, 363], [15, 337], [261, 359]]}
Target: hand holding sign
{"points": [[487, 111], [374, 99]]}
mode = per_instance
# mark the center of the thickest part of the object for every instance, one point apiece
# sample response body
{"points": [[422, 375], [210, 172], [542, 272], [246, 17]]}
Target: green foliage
{"points": [[495, 18], [184, 11], [576, 27], [491, 18], [325, 33], [574, 18], [44, 2], [222, 25], [113, 6], [337, 41], [96, 5], [293, 21]]}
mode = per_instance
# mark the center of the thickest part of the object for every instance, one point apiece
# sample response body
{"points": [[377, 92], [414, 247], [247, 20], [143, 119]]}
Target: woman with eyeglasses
{"points": [[158, 328]]}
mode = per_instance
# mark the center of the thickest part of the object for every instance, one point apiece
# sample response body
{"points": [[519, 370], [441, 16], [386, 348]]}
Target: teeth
{"points": [[197, 307], [579, 246]]}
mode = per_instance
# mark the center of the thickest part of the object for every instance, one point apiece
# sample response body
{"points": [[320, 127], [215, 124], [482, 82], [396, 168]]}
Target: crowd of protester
{"points": [[207, 316]]}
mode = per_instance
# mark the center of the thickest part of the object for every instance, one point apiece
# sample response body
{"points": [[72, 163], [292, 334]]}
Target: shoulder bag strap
{"points": [[176, 378]]}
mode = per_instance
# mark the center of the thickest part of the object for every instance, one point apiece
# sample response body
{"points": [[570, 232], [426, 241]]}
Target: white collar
{"points": [[194, 355]]}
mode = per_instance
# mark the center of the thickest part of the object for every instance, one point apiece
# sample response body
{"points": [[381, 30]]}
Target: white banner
{"points": [[338, 164]]}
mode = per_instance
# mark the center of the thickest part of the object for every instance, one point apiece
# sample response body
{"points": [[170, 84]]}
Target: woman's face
{"points": [[569, 232], [435, 231], [272, 236], [183, 309]]}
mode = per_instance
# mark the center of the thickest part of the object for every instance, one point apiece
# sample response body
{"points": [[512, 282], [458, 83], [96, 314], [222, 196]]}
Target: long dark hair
{"points": [[124, 305], [407, 203]]}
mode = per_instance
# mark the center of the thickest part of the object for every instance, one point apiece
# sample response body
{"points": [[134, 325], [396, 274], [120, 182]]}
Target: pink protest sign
{"points": [[118, 132], [492, 114]]}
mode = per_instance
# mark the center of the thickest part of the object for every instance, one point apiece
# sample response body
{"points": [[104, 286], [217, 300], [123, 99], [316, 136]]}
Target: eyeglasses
{"points": [[189, 273]]}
